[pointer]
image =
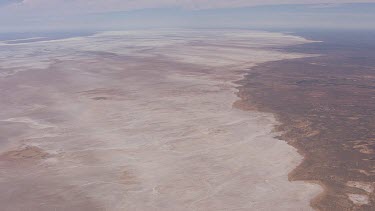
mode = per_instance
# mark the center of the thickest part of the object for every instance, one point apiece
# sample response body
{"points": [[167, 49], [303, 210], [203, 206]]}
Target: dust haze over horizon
{"points": [[58, 15]]}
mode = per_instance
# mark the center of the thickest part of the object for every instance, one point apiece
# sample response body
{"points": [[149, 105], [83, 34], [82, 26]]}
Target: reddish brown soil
{"points": [[326, 107]]}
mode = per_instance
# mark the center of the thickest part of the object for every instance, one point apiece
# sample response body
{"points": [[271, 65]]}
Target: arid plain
{"points": [[142, 121]]}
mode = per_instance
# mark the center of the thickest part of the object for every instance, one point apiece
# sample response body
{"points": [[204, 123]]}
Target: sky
{"points": [[64, 15]]}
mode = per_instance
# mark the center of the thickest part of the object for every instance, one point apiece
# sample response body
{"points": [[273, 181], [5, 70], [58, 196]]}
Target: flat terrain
{"points": [[326, 107], [142, 121]]}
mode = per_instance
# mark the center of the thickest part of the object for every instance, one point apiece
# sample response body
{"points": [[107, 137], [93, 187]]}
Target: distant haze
{"points": [[36, 15]]}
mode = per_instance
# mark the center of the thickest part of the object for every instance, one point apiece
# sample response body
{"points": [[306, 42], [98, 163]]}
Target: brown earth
{"points": [[326, 108]]}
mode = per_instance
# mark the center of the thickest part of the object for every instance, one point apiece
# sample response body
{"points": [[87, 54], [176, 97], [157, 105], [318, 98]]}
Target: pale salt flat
{"points": [[359, 199], [142, 121]]}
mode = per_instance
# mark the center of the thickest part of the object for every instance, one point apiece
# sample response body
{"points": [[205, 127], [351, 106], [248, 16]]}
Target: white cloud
{"points": [[89, 6], [67, 14]]}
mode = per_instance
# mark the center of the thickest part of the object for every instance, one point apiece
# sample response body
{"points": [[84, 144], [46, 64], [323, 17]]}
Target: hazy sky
{"points": [[33, 15]]}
